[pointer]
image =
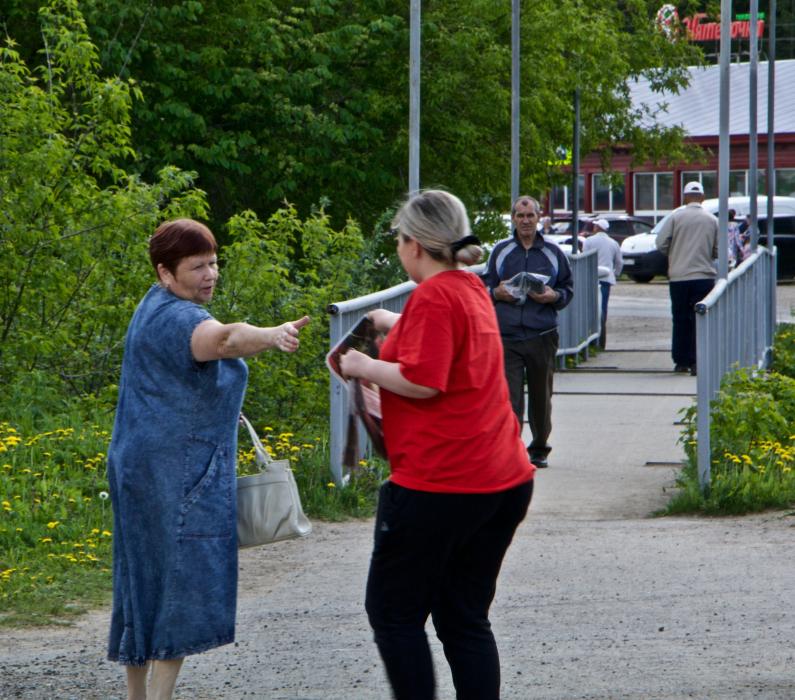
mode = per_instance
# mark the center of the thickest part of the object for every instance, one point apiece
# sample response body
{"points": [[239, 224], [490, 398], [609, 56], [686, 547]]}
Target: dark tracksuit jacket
{"points": [[509, 257]]}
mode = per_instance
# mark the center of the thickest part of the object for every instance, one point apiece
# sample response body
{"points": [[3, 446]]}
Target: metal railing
{"points": [[578, 327], [735, 324]]}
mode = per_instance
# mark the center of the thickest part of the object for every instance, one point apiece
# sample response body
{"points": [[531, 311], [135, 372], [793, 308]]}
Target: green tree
{"points": [[308, 101], [73, 223]]}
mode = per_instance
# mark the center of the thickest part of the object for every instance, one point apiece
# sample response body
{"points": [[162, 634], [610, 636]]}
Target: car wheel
{"points": [[643, 279]]}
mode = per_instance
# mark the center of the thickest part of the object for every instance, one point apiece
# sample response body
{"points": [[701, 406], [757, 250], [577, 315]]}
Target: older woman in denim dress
{"points": [[171, 465]]}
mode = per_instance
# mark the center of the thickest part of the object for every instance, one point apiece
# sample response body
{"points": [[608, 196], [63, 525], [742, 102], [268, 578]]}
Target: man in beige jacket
{"points": [[689, 238]]}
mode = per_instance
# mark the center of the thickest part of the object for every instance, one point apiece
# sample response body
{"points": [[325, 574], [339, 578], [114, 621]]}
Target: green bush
{"points": [[784, 350], [74, 224], [752, 446]]}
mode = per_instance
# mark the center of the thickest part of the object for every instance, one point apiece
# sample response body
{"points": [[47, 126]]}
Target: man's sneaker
{"points": [[682, 369]]}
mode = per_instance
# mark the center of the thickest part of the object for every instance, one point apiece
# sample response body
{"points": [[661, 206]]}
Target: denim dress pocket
{"points": [[207, 508]]}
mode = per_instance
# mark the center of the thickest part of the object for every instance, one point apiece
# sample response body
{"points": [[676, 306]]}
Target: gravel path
{"points": [[596, 600]]}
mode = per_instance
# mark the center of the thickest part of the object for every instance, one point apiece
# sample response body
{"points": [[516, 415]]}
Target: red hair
{"points": [[177, 239]]}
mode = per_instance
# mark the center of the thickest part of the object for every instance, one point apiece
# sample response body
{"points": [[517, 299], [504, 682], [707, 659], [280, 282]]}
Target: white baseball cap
{"points": [[693, 188], [603, 224]]}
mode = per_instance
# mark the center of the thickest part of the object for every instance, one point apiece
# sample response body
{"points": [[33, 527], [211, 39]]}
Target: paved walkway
{"points": [[596, 599]]}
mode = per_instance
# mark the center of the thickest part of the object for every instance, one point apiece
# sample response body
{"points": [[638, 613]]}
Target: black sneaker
{"points": [[693, 371], [681, 369]]}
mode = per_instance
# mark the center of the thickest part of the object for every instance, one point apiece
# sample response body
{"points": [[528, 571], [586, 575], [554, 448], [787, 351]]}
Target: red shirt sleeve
{"points": [[426, 345]]}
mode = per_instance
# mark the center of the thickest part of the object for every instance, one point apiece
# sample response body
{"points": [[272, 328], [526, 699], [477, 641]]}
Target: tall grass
{"points": [[56, 520]]}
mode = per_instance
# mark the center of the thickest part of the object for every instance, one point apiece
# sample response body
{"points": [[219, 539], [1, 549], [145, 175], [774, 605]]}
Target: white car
{"points": [[642, 260]]}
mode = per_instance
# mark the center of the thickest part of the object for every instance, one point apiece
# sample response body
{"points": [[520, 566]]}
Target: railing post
{"points": [[703, 399]]}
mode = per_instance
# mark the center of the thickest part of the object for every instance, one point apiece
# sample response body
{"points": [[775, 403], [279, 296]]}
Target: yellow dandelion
{"points": [[105, 533], [45, 539], [362, 462], [53, 524], [331, 485]]}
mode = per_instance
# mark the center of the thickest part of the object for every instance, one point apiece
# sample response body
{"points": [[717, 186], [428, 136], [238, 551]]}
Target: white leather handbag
{"points": [[268, 505]]}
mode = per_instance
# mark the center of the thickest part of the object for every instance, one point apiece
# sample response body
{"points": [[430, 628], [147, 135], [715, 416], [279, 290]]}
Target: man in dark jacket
{"points": [[529, 325]]}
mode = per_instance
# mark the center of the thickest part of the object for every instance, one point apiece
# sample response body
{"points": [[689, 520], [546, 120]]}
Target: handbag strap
{"points": [[266, 459]]}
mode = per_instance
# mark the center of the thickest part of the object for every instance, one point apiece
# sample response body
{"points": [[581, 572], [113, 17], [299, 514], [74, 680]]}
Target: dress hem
{"points": [[167, 655]]}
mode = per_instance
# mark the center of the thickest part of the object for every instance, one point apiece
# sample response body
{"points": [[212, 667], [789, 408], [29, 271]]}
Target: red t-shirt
{"points": [[466, 439]]}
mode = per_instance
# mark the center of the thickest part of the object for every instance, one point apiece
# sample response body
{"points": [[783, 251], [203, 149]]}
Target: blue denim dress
{"points": [[171, 469]]}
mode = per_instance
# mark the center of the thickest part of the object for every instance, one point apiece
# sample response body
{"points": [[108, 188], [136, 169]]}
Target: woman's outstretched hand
{"points": [[286, 335]]}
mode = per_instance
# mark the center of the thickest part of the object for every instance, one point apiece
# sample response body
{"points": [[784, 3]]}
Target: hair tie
{"points": [[464, 242]]}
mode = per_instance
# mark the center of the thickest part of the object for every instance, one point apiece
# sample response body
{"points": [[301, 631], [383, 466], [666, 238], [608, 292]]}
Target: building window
{"points": [[707, 178], [738, 183], [561, 196], [607, 196], [785, 182], [654, 195]]}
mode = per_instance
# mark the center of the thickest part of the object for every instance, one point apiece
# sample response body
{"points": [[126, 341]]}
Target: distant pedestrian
{"points": [[735, 240], [546, 226], [689, 238], [529, 327], [609, 259]]}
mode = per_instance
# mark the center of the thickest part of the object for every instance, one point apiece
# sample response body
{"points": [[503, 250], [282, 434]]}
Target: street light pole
{"points": [[575, 169], [723, 138], [414, 97], [771, 111], [515, 87], [753, 156]]}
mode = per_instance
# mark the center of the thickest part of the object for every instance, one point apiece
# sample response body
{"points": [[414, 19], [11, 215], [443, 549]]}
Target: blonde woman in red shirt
{"points": [[461, 480]]}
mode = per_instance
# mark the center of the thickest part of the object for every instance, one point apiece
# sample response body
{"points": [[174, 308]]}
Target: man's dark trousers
{"points": [[533, 360], [684, 297]]}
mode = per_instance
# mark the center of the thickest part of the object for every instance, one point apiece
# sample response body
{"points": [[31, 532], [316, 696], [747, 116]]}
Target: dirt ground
{"points": [[596, 600]]}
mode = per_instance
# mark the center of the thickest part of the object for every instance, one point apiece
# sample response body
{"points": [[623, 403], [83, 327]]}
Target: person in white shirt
{"points": [[609, 259], [689, 237]]}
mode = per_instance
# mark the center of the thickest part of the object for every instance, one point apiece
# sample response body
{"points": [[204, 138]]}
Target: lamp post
{"points": [[515, 85], [414, 97]]}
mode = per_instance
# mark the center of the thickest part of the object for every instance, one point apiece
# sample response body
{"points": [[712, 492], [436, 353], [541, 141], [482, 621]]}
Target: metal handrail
{"points": [[578, 327], [731, 332]]}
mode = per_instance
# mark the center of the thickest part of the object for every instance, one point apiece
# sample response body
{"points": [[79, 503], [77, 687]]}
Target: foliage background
{"points": [[271, 100]]}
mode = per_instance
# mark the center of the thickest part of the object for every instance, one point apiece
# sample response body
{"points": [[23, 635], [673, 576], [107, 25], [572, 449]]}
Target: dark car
{"points": [[784, 239], [621, 225]]}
